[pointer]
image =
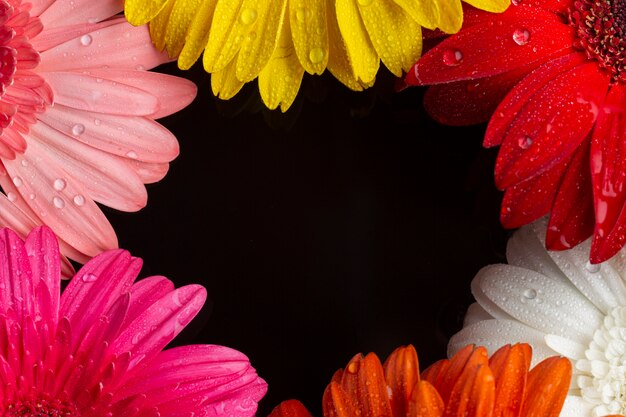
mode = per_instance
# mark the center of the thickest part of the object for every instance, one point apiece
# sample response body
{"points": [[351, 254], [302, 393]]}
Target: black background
{"points": [[352, 223]]}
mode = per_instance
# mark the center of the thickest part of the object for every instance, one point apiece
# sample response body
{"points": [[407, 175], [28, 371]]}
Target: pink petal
{"points": [[139, 137], [146, 292], [39, 6], [84, 92], [149, 172], [105, 178], [173, 93], [572, 219], [52, 37], [551, 125], [117, 46], [156, 326], [486, 50], [63, 13], [16, 291]]}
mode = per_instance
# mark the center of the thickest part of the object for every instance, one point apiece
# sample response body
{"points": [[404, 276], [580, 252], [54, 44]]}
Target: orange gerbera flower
{"points": [[470, 384]]}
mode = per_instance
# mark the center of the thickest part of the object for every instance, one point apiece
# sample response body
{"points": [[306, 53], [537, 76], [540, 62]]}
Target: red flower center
{"points": [[601, 29], [41, 408]]}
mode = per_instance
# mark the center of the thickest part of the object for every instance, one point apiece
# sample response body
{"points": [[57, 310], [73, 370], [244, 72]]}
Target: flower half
{"points": [[77, 118], [279, 40], [549, 76], [470, 384], [97, 349], [560, 303]]}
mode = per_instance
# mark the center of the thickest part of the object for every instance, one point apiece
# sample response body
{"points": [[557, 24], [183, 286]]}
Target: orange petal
{"points": [[290, 408], [468, 357], [373, 397], [401, 374], [436, 372], [425, 401], [473, 394], [337, 403], [547, 387], [509, 366], [349, 378]]}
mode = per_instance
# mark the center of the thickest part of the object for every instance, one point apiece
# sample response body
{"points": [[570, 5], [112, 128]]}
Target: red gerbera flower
{"points": [[550, 77], [470, 384]]}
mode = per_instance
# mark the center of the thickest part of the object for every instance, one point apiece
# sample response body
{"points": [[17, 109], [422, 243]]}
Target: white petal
{"points": [[525, 249], [540, 302], [475, 313], [485, 302], [566, 347], [575, 406]]}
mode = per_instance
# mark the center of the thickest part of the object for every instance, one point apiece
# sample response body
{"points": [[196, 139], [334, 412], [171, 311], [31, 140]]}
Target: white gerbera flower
{"points": [[560, 304]]}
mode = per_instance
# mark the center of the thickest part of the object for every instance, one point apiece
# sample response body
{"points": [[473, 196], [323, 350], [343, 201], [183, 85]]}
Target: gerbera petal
{"points": [[290, 408], [475, 313], [79, 11], [469, 358], [541, 135], [42, 248], [224, 83], [532, 298], [362, 56], [575, 406], [510, 365], [336, 402], [387, 25], [401, 373], [473, 394], [144, 293], [279, 80], [450, 15], [425, 401], [227, 33], [572, 219], [149, 172], [159, 25], [426, 13], [371, 387], [197, 34], [179, 19], [309, 33], [56, 36], [566, 347], [493, 48], [548, 383], [103, 48], [493, 6], [139, 12], [16, 293]]}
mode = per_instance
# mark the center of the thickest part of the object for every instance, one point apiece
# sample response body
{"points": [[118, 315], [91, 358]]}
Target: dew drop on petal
{"points": [[131, 154], [316, 55], [516, 2], [525, 142], [521, 36], [58, 202], [17, 181], [97, 122], [12, 197], [452, 57], [593, 268], [24, 163], [86, 40], [59, 184], [529, 294], [248, 16], [78, 129], [353, 367], [301, 14], [89, 277], [79, 200]]}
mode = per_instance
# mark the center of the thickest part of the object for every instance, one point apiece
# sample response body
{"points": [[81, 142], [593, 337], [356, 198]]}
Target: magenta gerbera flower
{"points": [[550, 78], [97, 349], [77, 118]]}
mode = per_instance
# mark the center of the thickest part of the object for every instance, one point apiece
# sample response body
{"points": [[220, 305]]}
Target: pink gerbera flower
{"points": [[550, 76], [97, 349], [77, 110]]}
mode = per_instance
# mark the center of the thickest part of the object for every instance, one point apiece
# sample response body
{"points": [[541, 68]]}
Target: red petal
{"points": [[290, 408], [507, 111], [608, 174], [485, 50], [572, 220], [531, 199], [473, 16], [551, 125], [510, 365]]}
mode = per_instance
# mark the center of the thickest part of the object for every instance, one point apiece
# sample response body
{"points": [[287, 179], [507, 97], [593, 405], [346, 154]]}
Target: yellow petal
{"points": [[424, 12], [451, 15], [280, 80], [198, 34], [256, 50], [140, 12], [338, 60], [361, 53], [310, 36], [180, 20], [225, 36], [158, 25], [396, 36], [224, 83], [493, 6]]}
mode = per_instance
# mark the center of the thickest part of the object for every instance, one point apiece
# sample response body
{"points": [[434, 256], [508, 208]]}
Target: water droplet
{"points": [[135, 339], [97, 122], [521, 36], [12, 197], [529, 294], [353, 367], [59, 184], [86, 40], [516, 2], [58, 202], [89, 277], [302, 14], [452, 57], [79, 200], [17, 181], [140, 68], [525, 142], [131, 154], [248, 16], [593, 268], [316, 55], [78, 129], [24, 163]]}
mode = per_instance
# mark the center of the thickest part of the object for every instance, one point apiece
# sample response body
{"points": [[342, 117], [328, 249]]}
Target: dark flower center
{"points": [[601, 26], [41, 408]]}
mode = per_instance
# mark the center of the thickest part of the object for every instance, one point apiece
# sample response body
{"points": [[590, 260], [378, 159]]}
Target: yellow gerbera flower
{"points": [[278, 40]]}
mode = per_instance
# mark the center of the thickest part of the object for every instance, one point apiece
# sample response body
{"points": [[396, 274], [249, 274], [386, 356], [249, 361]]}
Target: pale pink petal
{"points": [[16, 291], [138, 137], [104, 50], [106, 179], [173, 93], [65, 12], [61, 202], [39, 6], [149, 172], [146, 292], [155, 327], [99, 95], [58, 35]]}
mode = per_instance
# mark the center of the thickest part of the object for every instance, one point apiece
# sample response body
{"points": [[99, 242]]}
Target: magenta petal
{"points": [[144, 293], [43, 251], [16, 293]]}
